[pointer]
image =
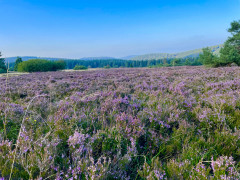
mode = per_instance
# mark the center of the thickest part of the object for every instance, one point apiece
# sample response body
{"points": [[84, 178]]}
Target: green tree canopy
{"points": [[3, 68], [40, 65], [17, 62], [230, 53], [207, 57], [235, 31]]}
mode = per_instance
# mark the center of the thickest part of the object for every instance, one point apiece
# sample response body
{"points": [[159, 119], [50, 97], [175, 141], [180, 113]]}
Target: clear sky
{"points": [[117, 28]]}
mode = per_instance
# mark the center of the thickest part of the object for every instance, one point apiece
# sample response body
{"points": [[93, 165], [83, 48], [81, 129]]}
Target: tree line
{"points": [[229, 54], [118, 63], [41, 65]]}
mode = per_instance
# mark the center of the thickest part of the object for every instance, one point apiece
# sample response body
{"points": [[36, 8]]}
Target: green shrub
{"points": [[107, 67], [3, 70], [40, 65], [59, 65], [80, 67]]}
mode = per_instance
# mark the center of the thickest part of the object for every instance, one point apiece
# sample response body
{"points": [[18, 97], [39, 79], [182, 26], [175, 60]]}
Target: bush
{"points": [[80, 67], [107, 67], [3, 70], [59, 65], [40, 65]]}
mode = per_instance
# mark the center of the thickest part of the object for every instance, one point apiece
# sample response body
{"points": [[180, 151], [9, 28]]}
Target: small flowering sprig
{"points": [[200, 172], [224, 168], [153, 171]]}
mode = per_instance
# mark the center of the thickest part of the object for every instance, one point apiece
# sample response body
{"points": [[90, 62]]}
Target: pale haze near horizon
{"points": [[76, 29]]}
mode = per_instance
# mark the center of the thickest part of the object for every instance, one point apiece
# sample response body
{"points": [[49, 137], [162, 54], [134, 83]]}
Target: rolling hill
{"points": [[25, 58], [192, 53]]}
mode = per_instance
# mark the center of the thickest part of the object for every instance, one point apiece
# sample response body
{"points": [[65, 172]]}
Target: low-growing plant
{"points": [[177, 123], [80, 67]]}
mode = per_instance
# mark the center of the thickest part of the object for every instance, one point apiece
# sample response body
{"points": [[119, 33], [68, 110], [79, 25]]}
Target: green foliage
{"points": [[17, 62], [229, 54], [235, 31], [80, 67], [108, 67], [3, 68], [231, 51], [207, 57], [118, 63], [59, 65], [175, 62], [40, 65]]}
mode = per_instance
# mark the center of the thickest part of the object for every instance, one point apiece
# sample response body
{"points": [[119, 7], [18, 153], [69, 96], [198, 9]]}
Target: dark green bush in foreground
{"points": [[40, 65]]}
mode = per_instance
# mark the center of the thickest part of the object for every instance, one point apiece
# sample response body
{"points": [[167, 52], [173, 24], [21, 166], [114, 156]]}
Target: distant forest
{"points": [[117, 63], [70, 64]]}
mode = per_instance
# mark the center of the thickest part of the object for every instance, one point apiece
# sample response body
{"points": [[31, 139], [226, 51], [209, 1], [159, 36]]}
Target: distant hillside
{"points": [[192, 53], [97, 58], [25, 58], [128, 57]]}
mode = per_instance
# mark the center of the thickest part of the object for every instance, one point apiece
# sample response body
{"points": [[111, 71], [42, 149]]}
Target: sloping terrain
{"points": [[192, 53]]}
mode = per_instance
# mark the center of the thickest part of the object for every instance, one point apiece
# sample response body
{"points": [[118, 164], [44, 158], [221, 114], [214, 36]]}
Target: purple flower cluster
{"points": [[163, 123]]}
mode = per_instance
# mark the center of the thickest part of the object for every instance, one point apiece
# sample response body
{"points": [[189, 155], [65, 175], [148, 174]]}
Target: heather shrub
{"points": [[223, 168], [153, 171], [168, 123]]}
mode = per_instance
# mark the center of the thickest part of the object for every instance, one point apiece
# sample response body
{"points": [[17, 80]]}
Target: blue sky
{"points": [[83, 28]]}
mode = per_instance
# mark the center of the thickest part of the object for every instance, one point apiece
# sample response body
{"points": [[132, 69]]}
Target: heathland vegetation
{"points": [[167, 123], [139, 123]]}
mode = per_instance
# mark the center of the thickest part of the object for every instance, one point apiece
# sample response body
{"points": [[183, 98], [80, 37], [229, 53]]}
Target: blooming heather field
{"points": [[165, 123]]}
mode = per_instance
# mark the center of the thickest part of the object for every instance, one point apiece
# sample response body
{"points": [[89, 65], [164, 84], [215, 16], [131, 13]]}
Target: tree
{"points": [[175, 62], [17, 62], [230, 53], [187, 62], [208, 58], [3, 68], [235, 31]]}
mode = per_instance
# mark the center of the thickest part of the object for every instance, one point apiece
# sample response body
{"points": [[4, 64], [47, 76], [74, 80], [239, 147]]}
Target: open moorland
{"points": [[159, 123]]}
